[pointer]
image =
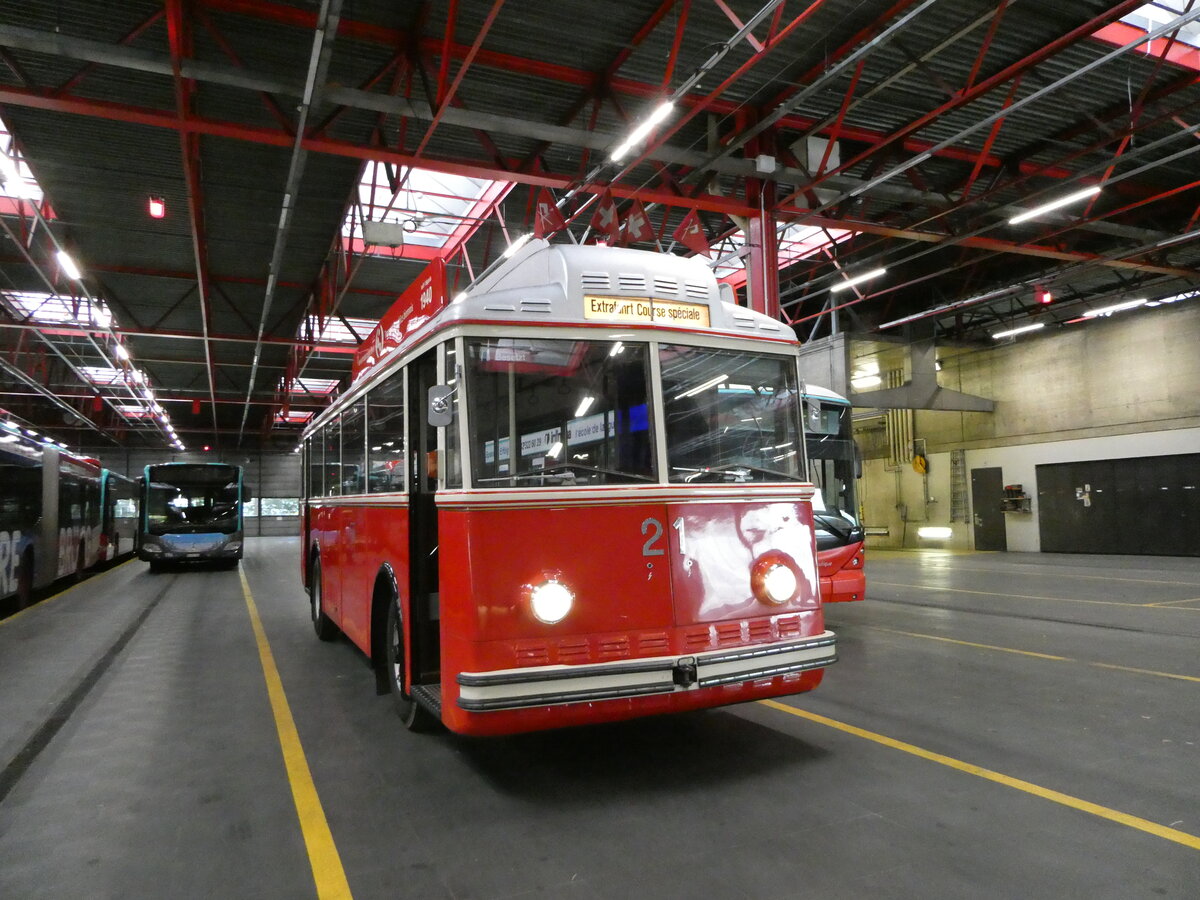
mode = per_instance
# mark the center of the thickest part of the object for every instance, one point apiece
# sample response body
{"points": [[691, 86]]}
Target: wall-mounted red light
{"points": [[1043, 296], [157, 207]]}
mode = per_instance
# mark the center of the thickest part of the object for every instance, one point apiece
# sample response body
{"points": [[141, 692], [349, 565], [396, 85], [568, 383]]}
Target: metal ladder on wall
{"points": [[959, 511]]}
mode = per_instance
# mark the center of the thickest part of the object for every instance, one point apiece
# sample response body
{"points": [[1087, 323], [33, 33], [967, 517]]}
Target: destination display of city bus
{"points": [[834, 468], [49, 515], [191, 512], [585, 498]]}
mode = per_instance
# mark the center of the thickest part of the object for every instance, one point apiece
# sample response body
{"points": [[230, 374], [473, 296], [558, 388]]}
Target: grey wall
{"points": [[1116, 388]]}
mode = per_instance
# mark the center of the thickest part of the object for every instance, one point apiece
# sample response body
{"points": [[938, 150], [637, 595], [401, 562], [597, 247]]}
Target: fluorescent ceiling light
{"points": [[1024, 328], [584, 405], [663, 110], [68, 265], [866, 381], [935, 532], [1109, 310], [1055, 204], [857, 279]]}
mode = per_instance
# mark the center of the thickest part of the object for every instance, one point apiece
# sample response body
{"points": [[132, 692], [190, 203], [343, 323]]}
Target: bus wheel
{"points": [[25, 581], [322, 624], [414, 716]]}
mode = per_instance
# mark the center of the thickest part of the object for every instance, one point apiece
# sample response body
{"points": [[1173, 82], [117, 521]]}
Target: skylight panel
{"points": [[19, 183], [293, 417], [321, 386], [340, 331], [430, 208], [102, 376], [796, 242], [53, 309]]}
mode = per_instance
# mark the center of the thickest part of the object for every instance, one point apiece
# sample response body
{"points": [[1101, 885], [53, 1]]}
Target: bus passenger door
{"points": [[423, 625]]}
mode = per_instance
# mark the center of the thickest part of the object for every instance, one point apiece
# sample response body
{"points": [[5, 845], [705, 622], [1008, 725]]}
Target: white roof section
{"points": [[548, 283]]}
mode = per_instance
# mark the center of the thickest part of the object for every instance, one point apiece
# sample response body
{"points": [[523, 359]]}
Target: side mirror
{"points": [[247, 494], [440, 410]]}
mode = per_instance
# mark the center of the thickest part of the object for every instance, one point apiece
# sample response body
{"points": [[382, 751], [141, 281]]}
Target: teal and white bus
{"points": [[191, 512]]}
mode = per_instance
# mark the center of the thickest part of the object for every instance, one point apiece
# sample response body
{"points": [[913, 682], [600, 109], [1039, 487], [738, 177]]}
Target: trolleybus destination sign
{"points": [[645, 309]]}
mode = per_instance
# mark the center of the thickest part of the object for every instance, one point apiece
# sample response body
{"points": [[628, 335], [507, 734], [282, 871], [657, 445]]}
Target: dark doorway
{"points": [[423, 524], [987, 492], [1144, 506]]}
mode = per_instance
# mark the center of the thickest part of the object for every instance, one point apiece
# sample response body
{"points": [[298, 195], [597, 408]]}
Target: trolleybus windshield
{"points": [[581, 412]]}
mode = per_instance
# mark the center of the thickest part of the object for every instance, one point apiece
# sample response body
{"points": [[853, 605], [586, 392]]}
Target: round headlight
{"points": [[780, 583], [551, 601], [775, 578]]}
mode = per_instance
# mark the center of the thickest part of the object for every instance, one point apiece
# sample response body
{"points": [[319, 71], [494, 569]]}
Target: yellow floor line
{"points": [[1045, 571], [1175, 602], [1098, 665], [934, 637], [1144, 671], [66, 590], [1162, 831], [323, 855], [951, 590]]}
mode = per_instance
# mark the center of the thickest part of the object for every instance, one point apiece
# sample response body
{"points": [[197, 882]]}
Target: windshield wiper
{"points": [[733, 472], [565, 474]]}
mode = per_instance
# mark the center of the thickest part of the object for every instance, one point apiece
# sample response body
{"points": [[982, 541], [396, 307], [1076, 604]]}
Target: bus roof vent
{"points": [[666, 286], [764, 325], [594, 281], [536, 306], [632, 283], [743, 320], [696, 291]]}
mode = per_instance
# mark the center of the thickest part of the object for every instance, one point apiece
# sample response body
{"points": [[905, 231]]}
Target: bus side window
{"points": [[353, 450], [453, 459], [385, 436], [333, 457]]}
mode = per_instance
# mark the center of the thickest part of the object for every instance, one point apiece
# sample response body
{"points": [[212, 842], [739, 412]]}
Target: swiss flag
{"points": [[605, 220], [637, 224], [690, 233], [547, 219]]}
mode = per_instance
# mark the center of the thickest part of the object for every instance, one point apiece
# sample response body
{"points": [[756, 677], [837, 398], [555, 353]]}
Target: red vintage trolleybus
{"points": [[574, 493]]}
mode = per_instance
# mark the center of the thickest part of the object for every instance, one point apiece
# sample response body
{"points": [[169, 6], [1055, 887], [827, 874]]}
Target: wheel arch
{"points": [[385, 590]]}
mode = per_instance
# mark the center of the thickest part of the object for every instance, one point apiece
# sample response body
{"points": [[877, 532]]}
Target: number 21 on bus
{"points": [[576, 493]]}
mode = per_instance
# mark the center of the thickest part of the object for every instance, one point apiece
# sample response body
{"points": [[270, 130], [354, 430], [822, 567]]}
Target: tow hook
{"points": [[683, 673]]}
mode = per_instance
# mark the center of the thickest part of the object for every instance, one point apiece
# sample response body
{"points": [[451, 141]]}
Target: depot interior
{"points": [[982, 225], [980, 219]]}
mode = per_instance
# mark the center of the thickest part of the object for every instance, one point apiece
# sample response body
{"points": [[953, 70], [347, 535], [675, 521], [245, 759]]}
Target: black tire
{"points": [[322, 624], [25, 581], [414, 716]]}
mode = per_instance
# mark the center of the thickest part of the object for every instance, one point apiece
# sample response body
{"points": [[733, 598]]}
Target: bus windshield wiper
{"points": [[564, 474], [735, 472]]}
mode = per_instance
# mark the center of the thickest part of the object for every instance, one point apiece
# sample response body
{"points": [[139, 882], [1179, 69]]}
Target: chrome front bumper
{"points": [[550, 685]]}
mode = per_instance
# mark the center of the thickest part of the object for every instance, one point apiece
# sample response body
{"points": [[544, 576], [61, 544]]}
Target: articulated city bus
{"points": [[834, 467], [49, 514], [191, 512], [585, 498], [119, 516]]}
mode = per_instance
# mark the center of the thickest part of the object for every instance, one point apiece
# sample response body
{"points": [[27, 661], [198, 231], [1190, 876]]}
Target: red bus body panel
{"points": [[842, 575], [621, 570]]}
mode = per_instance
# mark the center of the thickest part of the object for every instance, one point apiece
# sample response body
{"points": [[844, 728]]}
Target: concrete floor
{"points": [[999, 725]]}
